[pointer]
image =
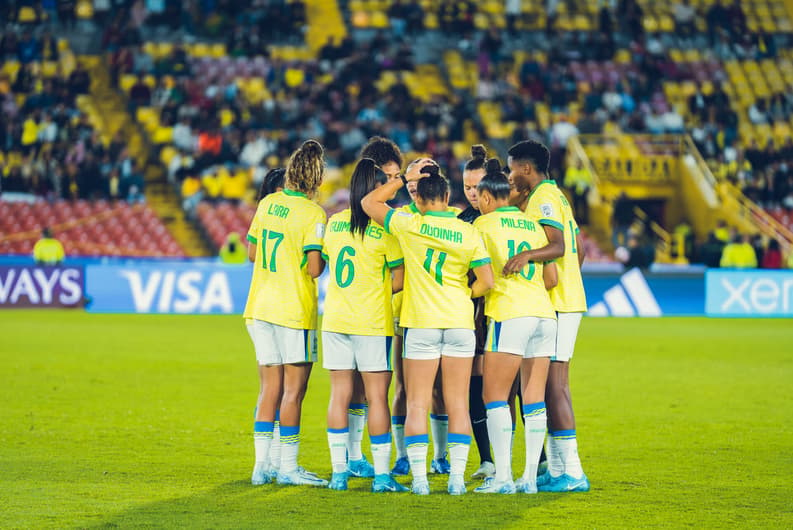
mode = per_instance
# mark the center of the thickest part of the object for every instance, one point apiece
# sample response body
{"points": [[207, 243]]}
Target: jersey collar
{"points": [[546, 181], [413, 208], [294, 193], [507, 209], [441, 214]]}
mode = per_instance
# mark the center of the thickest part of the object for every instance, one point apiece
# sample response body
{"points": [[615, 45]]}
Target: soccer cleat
{"points": [[262, 474], [485, 471], [441, 466], [384, 483], [565, 483], [420, 487], [300, 477], [401, 466], [542, 468], [338, 482], [543, 479], [525, 486], [506, 487], [456, 485], [360, 468]]}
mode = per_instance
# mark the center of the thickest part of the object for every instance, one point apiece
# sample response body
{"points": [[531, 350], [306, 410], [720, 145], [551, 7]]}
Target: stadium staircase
{"points": [[671, 169], [107, 109]]}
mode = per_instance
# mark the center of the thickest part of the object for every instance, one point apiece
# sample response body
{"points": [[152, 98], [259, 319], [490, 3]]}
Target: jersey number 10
{"points": [[523, 246]]}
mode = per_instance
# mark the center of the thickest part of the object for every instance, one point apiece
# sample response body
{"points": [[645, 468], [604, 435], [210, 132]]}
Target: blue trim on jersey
{"points": [[417, 439], [384, 438], [496, 405], [396, 263], [387, 220], [478, 263], [345, 430], [309, 248], [263, 426]]}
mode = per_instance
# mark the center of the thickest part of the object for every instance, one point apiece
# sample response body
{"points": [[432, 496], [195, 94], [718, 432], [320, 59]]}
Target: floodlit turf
{"points": [[146, 421]]}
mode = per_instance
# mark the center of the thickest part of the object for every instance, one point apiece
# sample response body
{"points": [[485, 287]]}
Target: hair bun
{"points": [[432, 170], [478, 151], [493, 166], [312, 148]]}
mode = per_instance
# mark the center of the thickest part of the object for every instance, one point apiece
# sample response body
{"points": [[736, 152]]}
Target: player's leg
{"points": [[299, 352], [457, 358], [358, 466], [534, 373], [439, 426], [376, 374], [564, 464], [398, 408], [420, 366], [478, 414], [341, 390], [270, 387]]}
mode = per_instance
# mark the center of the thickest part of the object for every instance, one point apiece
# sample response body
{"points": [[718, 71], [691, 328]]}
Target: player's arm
{"points": [[252, 252], [553, 250], [314, 263], [397, 279], [550, 275], [579, 243], [374, 203], [484, 280]]}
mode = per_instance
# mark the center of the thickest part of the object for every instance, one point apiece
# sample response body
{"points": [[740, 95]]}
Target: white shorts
{"points": [[566, 333], [341, 351], [276, 345], [424, 344], [525, 336]]}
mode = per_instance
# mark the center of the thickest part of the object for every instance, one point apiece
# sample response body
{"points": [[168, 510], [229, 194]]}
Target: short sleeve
{"points": [[393, 252], [314, 234], [397, 221], [254, 231], [547, 209], [480, 256]]}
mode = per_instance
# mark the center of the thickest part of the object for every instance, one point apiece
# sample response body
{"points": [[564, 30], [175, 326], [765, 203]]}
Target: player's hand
{"points": [[516, 263], [414, 173]]}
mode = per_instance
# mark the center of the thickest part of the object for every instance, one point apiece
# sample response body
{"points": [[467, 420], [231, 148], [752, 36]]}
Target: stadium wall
{"points": [[205, 286]]}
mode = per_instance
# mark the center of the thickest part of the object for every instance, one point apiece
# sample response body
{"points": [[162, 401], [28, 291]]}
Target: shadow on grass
{"points": [[239, 505]]}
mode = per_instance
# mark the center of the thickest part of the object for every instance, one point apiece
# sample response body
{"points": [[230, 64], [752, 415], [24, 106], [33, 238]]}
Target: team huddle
{"points": [[465, 309]]}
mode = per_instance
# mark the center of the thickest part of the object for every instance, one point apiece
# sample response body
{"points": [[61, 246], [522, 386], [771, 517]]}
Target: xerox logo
{"points": [[629, 298], [749, 293]]}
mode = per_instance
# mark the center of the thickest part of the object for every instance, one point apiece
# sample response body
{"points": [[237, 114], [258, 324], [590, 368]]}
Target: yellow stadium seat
{"points": [[85, 9], [167, 154], [200, 49], [150, 48], [63, 45], [126, 81], [218, 50], [431, 21], [27, 15], [164, 49], [379, 20], [162, 135]]}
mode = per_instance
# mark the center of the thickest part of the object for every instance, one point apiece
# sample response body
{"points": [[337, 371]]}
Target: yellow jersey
{"points": [[548, 206], [396, 300], [506, 232], [285, 227], [358, 299], [48, 251], [439, 251]]}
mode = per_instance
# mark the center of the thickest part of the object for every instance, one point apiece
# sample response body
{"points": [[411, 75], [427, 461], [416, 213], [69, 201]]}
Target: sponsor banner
{"points": [[635, 293], [30, 286], [201, 288], [750, 293]]}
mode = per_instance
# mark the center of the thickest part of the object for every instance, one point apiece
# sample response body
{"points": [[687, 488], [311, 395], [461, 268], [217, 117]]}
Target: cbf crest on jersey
{"points": [[547, 210]]}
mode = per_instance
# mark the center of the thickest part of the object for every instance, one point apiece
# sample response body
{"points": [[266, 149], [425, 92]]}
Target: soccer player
{"points": [[439, 421], [265, 464], [285, 244], [358, 326], [543, 200], [473, 172], [521, 331], [437, 314]]}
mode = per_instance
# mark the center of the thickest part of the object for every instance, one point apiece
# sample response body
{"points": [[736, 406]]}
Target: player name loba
{"points": [[441, 233]]}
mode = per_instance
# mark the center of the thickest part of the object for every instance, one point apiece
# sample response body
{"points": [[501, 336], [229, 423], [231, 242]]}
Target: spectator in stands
{"points": [[48, 251], [578, 181], [711, 251], [685, 19], [772, 258], [640, 253], [716, 19], [233, 251], [739, 254], [758, 114], [192, 194], [736, 20], [621, 220], [28, 49], [139, 94]]}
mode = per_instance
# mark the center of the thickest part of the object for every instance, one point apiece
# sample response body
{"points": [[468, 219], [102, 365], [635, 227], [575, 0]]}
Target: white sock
{"points": [[555, 465], [398, 430], [499, 430], [439, 425], [290, 443], [275, 447], [262, 438], [337, 442], [567, 448], [535, 421], [381, 453], [459, 444], [417, 455], [356, 419]]}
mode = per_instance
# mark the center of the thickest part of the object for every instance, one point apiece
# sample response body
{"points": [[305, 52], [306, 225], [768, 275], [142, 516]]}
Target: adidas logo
{"points": [[631, 297]]}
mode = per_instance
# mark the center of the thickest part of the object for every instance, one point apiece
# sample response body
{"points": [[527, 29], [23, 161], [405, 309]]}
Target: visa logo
{"points": [[182, 292]]}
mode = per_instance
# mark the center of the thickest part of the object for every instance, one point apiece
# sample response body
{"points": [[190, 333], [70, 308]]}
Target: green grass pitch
{"points": [[130, 421]]}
